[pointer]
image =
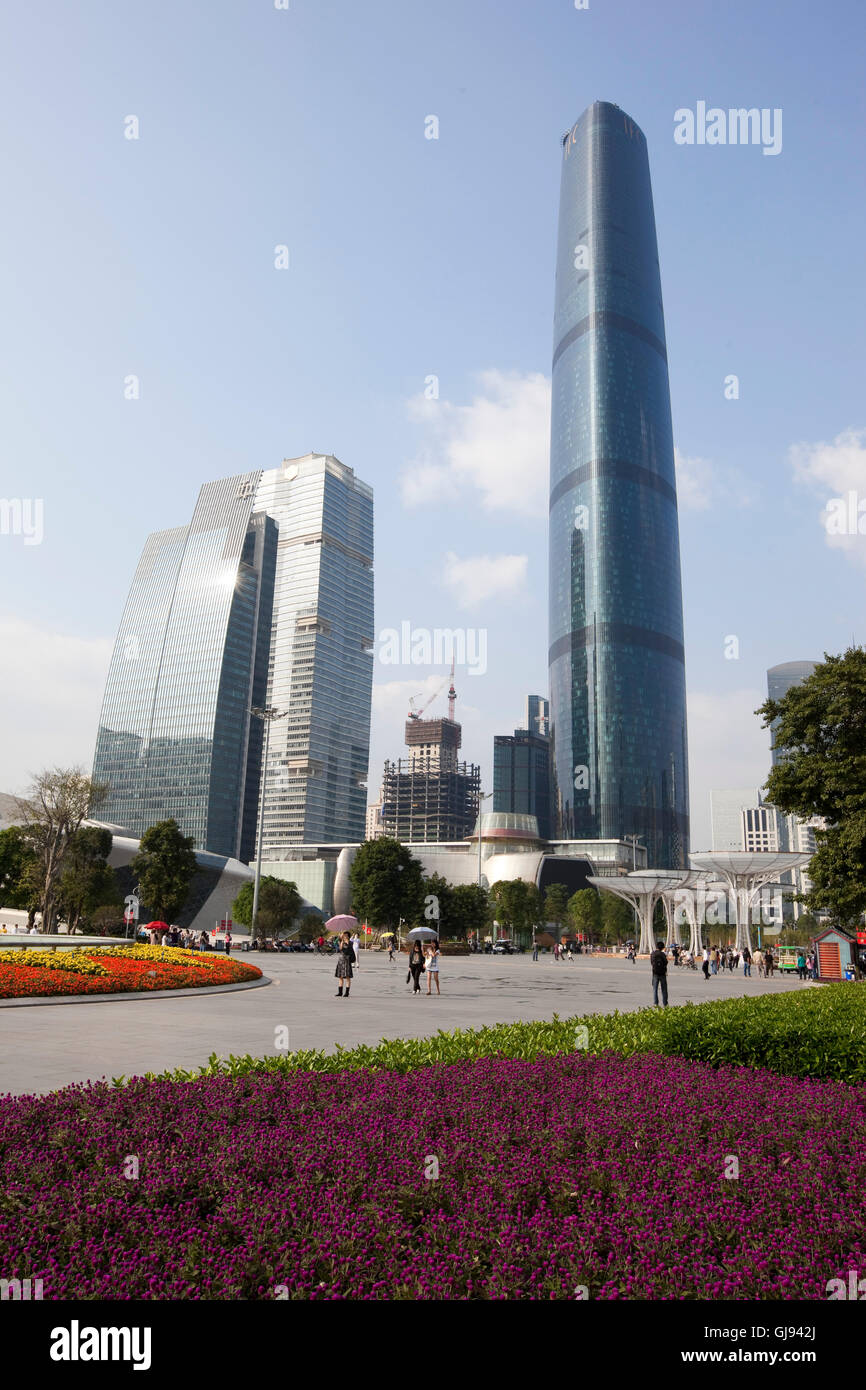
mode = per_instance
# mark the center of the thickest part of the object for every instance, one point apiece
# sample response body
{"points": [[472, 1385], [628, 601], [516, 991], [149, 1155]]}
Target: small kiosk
{"points": [[837, 955]]}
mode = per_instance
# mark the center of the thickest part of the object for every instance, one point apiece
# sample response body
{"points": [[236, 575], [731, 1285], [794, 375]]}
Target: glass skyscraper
{"points": [[617, 666], [780, 680], [265, 598], [321, 653]]}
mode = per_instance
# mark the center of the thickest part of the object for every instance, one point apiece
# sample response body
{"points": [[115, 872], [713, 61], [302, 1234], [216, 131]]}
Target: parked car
{"points": [[502, 948]]}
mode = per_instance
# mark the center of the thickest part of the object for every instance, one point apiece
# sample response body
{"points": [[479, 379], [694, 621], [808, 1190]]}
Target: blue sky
{"points": [[408, 258]]}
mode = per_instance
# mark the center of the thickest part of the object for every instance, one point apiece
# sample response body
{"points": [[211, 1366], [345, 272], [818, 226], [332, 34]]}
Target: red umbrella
{"points": [[157, 926]]}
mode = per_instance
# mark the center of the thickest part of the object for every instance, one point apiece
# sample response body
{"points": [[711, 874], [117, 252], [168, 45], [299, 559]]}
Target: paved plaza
{"points": [[46, 1046]]}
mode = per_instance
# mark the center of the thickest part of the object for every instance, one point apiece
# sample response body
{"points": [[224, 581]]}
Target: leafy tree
{"points": [[108, 920], [470, 910], [18, 870], [279, 904], [387, 884], [822, 732], [87, 881], [584, 913], [278, 909], [164, 869], [438, 904], [311, 926], [58, 801], [556, 904], [515, 907], [617, 920]]}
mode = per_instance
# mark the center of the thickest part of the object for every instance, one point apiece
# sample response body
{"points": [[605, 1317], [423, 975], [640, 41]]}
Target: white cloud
{"points": [[498, 445], [694, 482], [728, 747], [50, 698], [481, 577], [838, 470]]}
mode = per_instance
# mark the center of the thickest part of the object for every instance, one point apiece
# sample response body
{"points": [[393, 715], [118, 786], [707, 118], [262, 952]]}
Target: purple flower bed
{"points": [[605, 1171]]}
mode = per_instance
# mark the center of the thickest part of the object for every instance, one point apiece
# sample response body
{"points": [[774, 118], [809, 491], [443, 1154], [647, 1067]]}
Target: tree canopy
{"points": [[57, 802], [279, 905], [387, 884], [822, 733], [164, 868]]}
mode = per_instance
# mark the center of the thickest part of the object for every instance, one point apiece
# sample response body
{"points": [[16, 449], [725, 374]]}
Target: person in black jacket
{"points": [[344, 971], [416, 965], [659, 963]]}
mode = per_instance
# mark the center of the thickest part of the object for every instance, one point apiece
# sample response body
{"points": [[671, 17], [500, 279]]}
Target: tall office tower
{"points": [[321, 659], [430, 796], [537, 720], [617, 666], [780, 679], [727, 811], [521, 768], [190, 658], [265, 598]]}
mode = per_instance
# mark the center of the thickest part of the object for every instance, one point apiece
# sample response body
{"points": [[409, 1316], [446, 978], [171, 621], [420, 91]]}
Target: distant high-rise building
{"points": [[374, 830], [521, 768], [266, 598], [617, 672], [780, 679], [174, 737], [321, 658], [726, 815], [430, 796]]}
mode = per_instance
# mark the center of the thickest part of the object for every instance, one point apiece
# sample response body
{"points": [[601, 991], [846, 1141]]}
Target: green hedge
{"points": [[819, 1033]]}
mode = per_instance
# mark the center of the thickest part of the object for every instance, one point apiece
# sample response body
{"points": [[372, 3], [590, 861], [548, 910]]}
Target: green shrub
{"points": [[819, 1033]]}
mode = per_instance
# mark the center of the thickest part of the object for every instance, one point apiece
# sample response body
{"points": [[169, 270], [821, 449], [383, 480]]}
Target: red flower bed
{"points": [[124, 975]]}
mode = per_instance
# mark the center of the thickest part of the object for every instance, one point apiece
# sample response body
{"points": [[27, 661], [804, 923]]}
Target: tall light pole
{"points": [[267, 713], [634, 841], [482, 797]]}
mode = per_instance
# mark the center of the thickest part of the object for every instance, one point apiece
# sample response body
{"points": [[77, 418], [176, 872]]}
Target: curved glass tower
{"points": [[617, 670]]}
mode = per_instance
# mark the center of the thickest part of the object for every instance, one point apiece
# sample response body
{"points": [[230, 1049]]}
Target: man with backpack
{"points": [[659, 963]]}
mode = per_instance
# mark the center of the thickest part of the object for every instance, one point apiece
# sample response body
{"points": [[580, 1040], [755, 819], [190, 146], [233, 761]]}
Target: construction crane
{"points": [[452, 696]]}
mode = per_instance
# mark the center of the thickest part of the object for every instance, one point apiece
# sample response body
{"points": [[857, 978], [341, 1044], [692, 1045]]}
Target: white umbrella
{"points": [[422, 934]]}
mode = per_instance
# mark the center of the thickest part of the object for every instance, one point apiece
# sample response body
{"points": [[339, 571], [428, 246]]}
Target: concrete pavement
{"points": [[45, 1047]]}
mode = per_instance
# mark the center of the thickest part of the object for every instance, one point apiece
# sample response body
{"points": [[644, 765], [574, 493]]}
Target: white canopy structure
{"points": [[679, 894], [745, 874], [642, 890]]}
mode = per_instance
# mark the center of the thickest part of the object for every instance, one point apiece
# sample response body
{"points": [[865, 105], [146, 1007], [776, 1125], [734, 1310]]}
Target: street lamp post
{"points": [[483, 796], [634, 841], [267, 714]]}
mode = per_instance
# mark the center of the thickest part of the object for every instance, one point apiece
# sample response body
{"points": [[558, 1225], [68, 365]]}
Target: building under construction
{"points": [[430, 796]]}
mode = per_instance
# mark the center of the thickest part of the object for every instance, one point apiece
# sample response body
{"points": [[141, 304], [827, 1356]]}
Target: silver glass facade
{"points": [[780, 680], [173, 737], [321, 652], [617, 672], [266, 597]]}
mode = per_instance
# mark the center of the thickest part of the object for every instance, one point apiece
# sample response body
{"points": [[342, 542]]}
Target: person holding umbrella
{"points": [[416, 965], [344, 971]]}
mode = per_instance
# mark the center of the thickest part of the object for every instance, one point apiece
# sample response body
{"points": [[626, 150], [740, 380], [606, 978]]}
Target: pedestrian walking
{"points": [[569, 952], [228, 943], [432, 964], [356, 948], [759, 961], [769, 963], [659, 963], [556, 951], [705, 962], [801, 964], [416, 966], [345, 964], [747, 961], [630, 955], [535, 950]]}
